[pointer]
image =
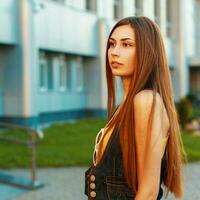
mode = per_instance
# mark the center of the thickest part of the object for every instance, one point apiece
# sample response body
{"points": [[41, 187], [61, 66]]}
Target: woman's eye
{"points": [[111, 44], [126, 44]]}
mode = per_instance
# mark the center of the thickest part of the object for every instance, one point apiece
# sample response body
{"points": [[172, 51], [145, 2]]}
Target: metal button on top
{"points": [[93, 194], [92, 185], [92, 178]]}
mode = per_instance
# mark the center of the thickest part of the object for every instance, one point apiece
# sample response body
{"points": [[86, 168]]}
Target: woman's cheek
{"points": [[129, 58]]}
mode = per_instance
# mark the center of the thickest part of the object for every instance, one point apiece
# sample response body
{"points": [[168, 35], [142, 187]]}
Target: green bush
{"points": [[184, 108], [195, 112], [195, 105], [192, 98]]}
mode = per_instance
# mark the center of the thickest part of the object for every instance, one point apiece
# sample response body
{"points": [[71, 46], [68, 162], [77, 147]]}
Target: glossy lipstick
{"points": [[116, 64]]}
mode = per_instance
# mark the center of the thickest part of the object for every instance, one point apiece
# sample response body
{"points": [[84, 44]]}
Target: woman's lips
{"points": [[116, 64]]}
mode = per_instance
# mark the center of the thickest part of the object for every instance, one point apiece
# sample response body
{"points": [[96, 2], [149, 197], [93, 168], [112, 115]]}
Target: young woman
{"points": [[140, 147]]}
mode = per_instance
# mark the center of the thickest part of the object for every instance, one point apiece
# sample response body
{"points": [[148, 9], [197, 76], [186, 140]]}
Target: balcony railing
{"points": [[30, 143]]}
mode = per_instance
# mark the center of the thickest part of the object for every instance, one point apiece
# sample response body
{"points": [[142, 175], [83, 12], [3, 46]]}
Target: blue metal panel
{"points": [[170, 45], [19, 181], [49, 117], [197, 29], [9, 192], [1, 104], [9, 23], [55, 28], [60, 28], [10, 81]]}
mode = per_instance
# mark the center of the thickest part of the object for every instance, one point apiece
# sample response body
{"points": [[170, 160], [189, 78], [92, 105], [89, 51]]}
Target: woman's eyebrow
{"points": [[123, 39]]}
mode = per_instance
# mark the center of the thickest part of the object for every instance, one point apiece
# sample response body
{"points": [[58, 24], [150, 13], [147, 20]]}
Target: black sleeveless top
{"points": [[106, 180]]}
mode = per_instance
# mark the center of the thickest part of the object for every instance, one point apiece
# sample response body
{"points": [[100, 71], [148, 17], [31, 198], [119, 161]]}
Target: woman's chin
{"points": [[116, 74]]}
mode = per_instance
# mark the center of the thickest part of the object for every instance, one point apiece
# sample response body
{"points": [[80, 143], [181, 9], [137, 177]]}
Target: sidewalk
{"points": [[68, 184]]}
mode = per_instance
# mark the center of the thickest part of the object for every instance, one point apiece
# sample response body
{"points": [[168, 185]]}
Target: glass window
{"points": [[138, 7], [70, 3], [62, 77], [79, 74], [43, 73], [157, 11], [43, 77], [59, 1], [169, 20], [46, 72], [69, 75], [91, 5], [62, 73], [118, 9], [50, 73]]}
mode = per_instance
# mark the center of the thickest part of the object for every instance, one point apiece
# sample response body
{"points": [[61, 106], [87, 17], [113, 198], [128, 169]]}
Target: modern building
{"points": [[52, 54]]}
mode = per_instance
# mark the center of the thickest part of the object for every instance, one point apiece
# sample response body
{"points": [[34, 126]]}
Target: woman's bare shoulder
{"points": [[146, 97], [143, 102]]}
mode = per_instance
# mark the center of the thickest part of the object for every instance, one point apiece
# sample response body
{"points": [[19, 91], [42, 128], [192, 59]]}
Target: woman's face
{"points": [[121, 52]]}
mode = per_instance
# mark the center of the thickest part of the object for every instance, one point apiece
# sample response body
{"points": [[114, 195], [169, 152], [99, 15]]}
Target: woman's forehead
{"points": [[124, 31]]}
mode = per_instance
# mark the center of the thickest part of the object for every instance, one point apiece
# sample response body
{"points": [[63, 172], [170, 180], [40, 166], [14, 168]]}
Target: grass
{"points": [[192, 146], [63, 145], [69, 144]]}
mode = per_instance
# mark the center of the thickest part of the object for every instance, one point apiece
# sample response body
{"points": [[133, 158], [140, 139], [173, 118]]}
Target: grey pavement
{"points": [[68, 184]]}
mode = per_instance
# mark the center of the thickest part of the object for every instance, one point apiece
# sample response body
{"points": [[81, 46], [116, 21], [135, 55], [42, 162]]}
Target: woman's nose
{"points": [[115, 51]]}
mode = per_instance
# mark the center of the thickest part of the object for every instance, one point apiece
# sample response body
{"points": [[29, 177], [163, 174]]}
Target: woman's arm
{"points": [[148, 171]]}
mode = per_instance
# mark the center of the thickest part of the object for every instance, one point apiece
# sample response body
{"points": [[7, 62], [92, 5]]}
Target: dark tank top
{"points": [[106, 180]]}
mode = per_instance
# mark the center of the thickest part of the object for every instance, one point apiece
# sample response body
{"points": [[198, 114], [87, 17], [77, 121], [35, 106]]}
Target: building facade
{"points": [[52, 54]]}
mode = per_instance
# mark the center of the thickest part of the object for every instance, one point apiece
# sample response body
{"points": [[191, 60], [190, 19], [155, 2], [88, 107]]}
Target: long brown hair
{"points": [[151, 72]]}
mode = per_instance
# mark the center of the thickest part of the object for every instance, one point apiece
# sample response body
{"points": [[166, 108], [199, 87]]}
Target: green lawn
{"points": [[69, 144], [192, 147]]}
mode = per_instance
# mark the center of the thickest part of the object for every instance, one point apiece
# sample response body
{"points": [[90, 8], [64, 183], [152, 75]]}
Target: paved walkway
{"points": [[68, 184]]}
